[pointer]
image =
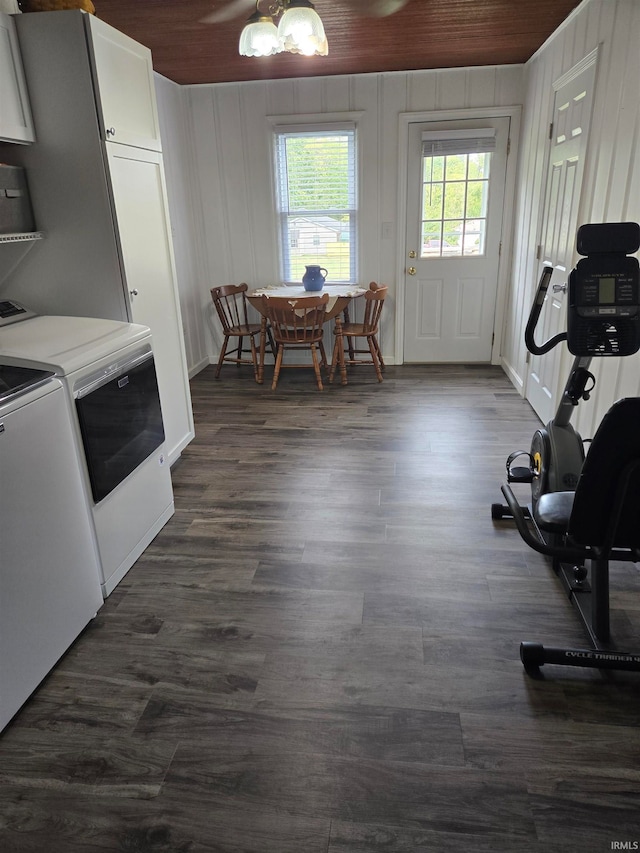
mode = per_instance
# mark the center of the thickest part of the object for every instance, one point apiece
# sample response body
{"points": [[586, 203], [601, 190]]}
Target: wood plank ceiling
{"points": [[422, 34]]}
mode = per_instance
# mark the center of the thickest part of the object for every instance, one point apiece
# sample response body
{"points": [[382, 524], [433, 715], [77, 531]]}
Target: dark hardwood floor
{"points": [[320, 651]]}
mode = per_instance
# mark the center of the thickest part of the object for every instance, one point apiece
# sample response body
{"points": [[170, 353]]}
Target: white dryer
{"points": [[108, 371], [49, 572]]}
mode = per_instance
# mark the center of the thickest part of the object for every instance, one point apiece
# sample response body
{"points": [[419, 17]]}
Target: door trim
{"points": [[406, 119]]}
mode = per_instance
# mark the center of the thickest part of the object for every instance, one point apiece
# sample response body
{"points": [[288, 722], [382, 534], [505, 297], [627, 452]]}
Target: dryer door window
{"points": [[120, 421]]}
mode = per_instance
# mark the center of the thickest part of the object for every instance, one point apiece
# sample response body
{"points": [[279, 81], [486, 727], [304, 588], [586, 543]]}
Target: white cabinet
{"points": [[125, 90], [101, 205], [15, 115], [137, 181]]}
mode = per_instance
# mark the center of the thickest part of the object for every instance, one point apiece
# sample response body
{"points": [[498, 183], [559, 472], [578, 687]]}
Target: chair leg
{"points": [[239, 352], [254, 357], [349, 340], [379, 352], [316, 366], [263, 335], [276, 370], [374, 358], [323, 363], [335, 356], [223, 350], [351, 348], [271, 342]]}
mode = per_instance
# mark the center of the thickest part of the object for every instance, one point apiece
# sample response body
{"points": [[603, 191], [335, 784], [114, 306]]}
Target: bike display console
{"points": [[604, 293]]}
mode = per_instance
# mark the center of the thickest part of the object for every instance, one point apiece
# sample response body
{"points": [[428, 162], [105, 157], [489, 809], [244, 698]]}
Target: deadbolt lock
{"points": [[412, 253]]}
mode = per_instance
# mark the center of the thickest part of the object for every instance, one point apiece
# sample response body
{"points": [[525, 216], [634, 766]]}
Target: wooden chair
{"points": [[231, 306], [297, 324], [368, 329]]}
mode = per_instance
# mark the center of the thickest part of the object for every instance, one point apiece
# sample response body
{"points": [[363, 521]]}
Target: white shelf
{"points": [[21, 238], [22, 244]]}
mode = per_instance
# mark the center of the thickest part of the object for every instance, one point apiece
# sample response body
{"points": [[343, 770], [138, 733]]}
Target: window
{"points": [[316, 194], [455, 192]]}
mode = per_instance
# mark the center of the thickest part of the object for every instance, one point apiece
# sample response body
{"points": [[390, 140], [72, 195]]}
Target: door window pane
{"points": [[454, 200], [432, 203], [455, 191]]}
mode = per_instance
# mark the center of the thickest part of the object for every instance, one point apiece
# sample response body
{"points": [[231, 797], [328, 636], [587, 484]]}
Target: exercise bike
{"points": [[585, 508]]}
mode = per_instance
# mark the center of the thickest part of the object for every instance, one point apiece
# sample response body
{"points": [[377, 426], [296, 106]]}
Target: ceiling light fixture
{"points": [[300, 30]]}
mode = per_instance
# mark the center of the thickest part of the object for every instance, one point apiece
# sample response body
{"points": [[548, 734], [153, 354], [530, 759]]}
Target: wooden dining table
{"points": [[340, 296]]}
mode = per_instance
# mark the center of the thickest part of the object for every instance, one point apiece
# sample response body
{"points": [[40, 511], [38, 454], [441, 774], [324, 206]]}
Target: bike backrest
{"points": [[615, 449]]}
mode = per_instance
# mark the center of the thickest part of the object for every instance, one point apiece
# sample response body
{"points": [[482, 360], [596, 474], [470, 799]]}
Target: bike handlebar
{"points": [[532, 322]]}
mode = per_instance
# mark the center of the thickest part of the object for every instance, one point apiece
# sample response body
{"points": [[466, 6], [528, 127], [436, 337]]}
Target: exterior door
{"points": [[569, 131], [455, 195]]}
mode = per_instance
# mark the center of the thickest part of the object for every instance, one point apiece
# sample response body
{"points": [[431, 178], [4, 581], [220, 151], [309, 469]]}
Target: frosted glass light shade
{"points": [[259, 37], [301, 31]]}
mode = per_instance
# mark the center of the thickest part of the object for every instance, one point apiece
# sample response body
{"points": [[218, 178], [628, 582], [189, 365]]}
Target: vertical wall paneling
{"points": [[176, 142], [452, 88], [231, 173], [611, 172], [219, 173], [210, 230], [421, 90], [508, 86], [337, 96], [478, 84]]}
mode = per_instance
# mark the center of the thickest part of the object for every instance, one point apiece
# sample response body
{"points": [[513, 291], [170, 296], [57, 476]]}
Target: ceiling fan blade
{"points": [[229, 10], [375, 8]]}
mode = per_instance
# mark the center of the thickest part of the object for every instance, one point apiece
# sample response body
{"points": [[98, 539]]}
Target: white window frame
{"points": [[318, 123]]}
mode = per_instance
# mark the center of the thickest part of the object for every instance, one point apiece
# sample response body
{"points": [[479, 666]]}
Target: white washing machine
{"points": [[108, 371], [49, 570]]}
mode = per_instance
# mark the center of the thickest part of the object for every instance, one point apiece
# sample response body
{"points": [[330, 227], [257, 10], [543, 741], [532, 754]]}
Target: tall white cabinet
{"points": [[98, 191], [15, 115]]}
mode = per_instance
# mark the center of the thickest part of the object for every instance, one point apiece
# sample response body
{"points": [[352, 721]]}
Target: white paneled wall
{"points": [[174, 127], [226, 141], [219, 171], [611, 183]]}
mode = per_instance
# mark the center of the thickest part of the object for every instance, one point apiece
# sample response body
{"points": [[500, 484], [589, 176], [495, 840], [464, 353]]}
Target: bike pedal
{"points": [[520, 475]]}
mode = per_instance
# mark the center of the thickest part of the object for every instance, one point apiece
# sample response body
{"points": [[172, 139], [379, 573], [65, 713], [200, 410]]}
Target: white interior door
{"points": [[571, 117], [455, 197]]}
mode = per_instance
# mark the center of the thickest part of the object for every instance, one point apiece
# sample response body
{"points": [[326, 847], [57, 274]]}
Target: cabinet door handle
{"points": [[134, 292], [111, 131]]}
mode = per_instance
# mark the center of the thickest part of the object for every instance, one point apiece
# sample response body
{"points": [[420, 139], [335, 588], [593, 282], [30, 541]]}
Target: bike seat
{"points": [[553, 511]]}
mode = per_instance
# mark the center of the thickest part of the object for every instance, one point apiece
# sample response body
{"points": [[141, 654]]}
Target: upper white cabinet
{"points": [[15, 115], [123, 74]]}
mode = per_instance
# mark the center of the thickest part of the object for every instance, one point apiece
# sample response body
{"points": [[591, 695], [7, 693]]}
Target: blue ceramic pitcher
{"points": [[313, 278]]}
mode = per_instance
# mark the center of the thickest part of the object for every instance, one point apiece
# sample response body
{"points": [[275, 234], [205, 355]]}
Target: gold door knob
{"points": [[411, 270], [412, 253]]}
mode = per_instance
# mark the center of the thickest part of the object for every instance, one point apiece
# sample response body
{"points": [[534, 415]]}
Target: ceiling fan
{"points": [[230, 9]]}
